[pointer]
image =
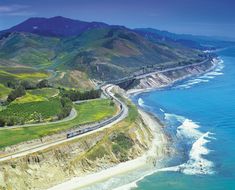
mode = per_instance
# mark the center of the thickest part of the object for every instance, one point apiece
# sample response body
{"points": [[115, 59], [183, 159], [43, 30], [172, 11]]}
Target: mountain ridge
{"points": [[55, 26], [102, 51]]}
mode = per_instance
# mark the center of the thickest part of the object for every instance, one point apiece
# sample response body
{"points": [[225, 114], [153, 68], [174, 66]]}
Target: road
{"points": [[123, 113], [155, 72], [72, 115], [170, 69]]}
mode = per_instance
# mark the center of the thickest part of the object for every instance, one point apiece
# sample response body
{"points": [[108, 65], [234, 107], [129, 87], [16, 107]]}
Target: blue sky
{"points": [[204, 17]]}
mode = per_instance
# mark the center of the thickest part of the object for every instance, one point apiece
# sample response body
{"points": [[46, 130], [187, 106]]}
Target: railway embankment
{"points": [[124, 141]]}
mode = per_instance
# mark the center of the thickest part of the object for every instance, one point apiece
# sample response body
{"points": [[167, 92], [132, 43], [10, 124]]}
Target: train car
{"points": [[73, 134]]}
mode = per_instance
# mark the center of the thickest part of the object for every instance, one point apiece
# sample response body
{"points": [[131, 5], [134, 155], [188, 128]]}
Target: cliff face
{"points": [[167, 78], [124, 141]]}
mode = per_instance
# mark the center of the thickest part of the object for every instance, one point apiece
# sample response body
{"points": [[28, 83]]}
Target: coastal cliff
{"points": [[168, 78], [124, 141], [129, 140]]}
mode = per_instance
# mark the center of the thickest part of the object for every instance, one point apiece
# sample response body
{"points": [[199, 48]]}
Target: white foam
{"points": [[196, 164], [128, 186], [141, 102], [162, 110], [170, 117], [190, 130], [206, 77]]}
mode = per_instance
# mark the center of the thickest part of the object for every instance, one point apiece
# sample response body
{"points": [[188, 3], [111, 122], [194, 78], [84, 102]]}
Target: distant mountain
{"points": [[102, 51], [159, 36], [56, 26], [192, 41]]}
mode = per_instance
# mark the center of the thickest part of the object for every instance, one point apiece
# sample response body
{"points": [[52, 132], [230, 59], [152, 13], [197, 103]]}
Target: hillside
{"points": [[98, 50], [55, 26], [28, 49]]}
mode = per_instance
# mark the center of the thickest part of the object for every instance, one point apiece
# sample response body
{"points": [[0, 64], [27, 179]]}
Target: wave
{"points": [[196, 163], [161, 110], [204, 78], [189, 132], [141, 102]]}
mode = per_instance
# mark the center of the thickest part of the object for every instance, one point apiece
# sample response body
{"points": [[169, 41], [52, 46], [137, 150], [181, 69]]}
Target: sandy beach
{"points": [[157, 150]]}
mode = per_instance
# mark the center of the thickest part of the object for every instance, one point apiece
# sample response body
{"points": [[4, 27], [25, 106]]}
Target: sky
{"points": [[202, 17]]}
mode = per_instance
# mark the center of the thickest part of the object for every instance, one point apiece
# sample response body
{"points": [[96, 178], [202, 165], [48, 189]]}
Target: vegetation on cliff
{"points": [[124, 141], [87, 112]]}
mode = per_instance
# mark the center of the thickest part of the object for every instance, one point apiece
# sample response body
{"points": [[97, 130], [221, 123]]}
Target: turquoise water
{"points": [[200, 115]]}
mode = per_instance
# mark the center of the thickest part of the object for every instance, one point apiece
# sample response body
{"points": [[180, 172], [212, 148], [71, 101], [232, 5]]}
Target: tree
{"points": [[66, 108], [12, 84], [74, 95], [43, 84], [18, 92], [2, 122], [28, 85]]}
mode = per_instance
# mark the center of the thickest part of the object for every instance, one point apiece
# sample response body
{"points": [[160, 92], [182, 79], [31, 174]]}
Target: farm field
{"points": [[88, 112], [24, 111]]}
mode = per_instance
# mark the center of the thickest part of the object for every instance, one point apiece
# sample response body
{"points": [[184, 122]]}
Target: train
{"points": [[96, 126]]}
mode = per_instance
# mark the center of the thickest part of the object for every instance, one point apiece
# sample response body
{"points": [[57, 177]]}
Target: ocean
{"points": [[199, 114]]}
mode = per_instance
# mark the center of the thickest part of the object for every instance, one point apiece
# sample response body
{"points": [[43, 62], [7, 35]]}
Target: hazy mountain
{"points": [[56, 26], [102, 51], [188, 40]]}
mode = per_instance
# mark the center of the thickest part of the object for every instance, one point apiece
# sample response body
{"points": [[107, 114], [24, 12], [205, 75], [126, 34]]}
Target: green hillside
{"points": [[4, 91], [104, 53], [28, 49]]}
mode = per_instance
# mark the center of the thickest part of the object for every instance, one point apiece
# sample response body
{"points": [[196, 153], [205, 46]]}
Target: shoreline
{"points": [[134, 92], [160, 140]]}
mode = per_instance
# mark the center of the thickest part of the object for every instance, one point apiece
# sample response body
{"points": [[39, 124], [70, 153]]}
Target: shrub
{"points": [[74, 95], [120, 145], [12, 84], [43, 84], [28, 85], [2, 122], [10, 121], [18, 92], [66, 107]]}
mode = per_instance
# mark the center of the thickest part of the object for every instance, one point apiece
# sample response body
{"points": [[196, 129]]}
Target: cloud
{"points": [[15, 10]]}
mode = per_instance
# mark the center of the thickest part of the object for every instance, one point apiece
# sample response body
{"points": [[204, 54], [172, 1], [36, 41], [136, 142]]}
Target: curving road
{"points": [[140, 76], [171, 69], [71, 116], [123, 113]]}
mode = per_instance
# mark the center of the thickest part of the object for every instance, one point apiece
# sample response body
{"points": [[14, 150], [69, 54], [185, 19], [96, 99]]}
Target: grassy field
{"points": [[4, 91], [44, 92], [21, 110], [29, 98], [21, 73], [87, 112]]}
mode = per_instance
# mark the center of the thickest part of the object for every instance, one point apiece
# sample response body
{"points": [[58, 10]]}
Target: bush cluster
{"points": [[66, 107], [10, 121], [75, 95], [18, 92], [28, 85]]}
